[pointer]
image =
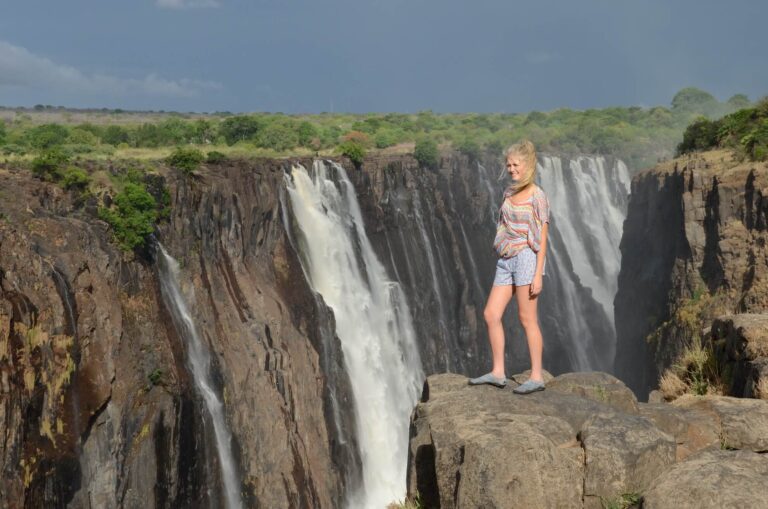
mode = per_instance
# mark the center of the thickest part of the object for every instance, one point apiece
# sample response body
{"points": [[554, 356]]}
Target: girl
{"points": [[521, 243]]}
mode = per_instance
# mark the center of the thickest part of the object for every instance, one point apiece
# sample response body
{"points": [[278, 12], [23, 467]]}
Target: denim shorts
{"points": [[516, 270]]}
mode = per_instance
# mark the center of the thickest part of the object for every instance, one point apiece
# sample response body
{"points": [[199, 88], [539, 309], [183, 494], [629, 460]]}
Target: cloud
{"points": [[21, 68], [186, 4]]}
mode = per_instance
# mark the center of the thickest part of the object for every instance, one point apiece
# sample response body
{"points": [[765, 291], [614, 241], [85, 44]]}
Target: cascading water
{"points": [[592, 199], [373, 323], [200, 364]]}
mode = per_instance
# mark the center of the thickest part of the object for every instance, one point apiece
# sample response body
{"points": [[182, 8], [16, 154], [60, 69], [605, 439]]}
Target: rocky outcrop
{"points": [[97, 408], [583, 442], [712, 480], [740, 347], [693, 249]]}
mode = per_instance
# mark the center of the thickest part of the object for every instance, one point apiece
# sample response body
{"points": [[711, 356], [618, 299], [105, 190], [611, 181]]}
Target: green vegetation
{"points": [[426, 153], [75, 178], [156, 376], [638, 135], [745, 131], [215, 157], [625, 501], [354, 151], [50, 164], [132, 216], [186, 159]]}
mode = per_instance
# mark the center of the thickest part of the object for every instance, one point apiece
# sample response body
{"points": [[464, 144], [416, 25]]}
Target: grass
{"points": [[624, 501]]}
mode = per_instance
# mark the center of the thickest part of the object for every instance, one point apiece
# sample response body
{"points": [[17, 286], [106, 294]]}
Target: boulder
{"points": [[623, 454], [692, 428], [742, 423], [597, 386], [712, 480]]}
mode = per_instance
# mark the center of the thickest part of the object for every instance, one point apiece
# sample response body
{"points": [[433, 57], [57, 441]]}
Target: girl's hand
{"points": [[536, 285]]}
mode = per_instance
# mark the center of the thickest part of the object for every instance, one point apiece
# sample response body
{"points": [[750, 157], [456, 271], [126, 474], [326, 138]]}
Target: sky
{"points": [[311, 56]]}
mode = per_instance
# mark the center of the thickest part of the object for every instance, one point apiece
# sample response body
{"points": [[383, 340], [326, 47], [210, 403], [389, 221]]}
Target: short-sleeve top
{"points": [[519, 223]]}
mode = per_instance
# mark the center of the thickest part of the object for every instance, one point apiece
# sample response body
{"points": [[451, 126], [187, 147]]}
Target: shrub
{"points": [[13, 149], [2, 132], [75, 178], [186, 159], [354, 151], [133, 216], [215, 157], [426, 153], [49, 164], [46, 136], [278, 136], [469, 148], [239, 128]]}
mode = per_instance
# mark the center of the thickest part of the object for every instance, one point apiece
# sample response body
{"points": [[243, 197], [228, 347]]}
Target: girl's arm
{"points": [[537, 283]]}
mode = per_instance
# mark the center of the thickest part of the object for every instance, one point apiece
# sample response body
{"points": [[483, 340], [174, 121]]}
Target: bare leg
{"points": [[527, 312], [494, 310]]}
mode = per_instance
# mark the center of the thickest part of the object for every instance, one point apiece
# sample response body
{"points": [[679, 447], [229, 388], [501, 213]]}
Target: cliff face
{"points": [[98, 404], [97, 407], [693, 248]]}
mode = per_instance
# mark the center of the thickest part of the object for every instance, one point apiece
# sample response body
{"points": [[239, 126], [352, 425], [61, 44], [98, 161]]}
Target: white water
{"points": [[200, 362], [373, 323], [592, 220]]}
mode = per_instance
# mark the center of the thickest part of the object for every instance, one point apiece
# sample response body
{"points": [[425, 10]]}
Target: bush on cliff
{"points": [[132, 217], [75, 179], [50, 164], [354, 151], [186, 159], [426, 153], [215, 157]]}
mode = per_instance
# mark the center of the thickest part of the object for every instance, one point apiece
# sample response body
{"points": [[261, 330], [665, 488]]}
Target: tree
{"points": [[115, 135], [694, 99], [133, 216], [50, 164], [354, 150], [278, 136], [426, 153], [186, 159], [46, 136], [739, 101], [2, 132], [239, 128]]}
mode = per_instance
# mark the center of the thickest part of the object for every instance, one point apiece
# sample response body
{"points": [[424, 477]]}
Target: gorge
{"points": [[324, 294]]}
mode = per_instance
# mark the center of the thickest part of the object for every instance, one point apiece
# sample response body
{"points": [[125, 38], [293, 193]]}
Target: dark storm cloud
{"points": [[395, 55]]}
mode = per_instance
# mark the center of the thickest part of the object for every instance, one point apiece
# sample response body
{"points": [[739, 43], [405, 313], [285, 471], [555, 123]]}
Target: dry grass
{"points": [[672, 386]]}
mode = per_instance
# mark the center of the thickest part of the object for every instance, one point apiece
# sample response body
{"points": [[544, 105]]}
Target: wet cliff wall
{"points": [[693, 248], [96, 403]]}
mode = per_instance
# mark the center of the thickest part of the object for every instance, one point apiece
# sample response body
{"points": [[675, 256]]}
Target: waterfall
{"points": [[199, 361], [588, 199], [373, 324]]}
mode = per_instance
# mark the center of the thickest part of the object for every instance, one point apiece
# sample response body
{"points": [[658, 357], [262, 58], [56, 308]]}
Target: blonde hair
{"points": [[527, 152]]}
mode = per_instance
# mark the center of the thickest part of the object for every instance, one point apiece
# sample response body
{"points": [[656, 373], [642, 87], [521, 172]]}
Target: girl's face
{"points": [[515, 167]]}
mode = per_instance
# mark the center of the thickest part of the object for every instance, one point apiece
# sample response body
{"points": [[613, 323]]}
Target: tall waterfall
{"points": [[588, 200], [200, 363], [373, 324]]}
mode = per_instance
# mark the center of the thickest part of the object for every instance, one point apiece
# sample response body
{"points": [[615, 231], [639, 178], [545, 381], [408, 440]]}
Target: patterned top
{"points": [[519, 224]]}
